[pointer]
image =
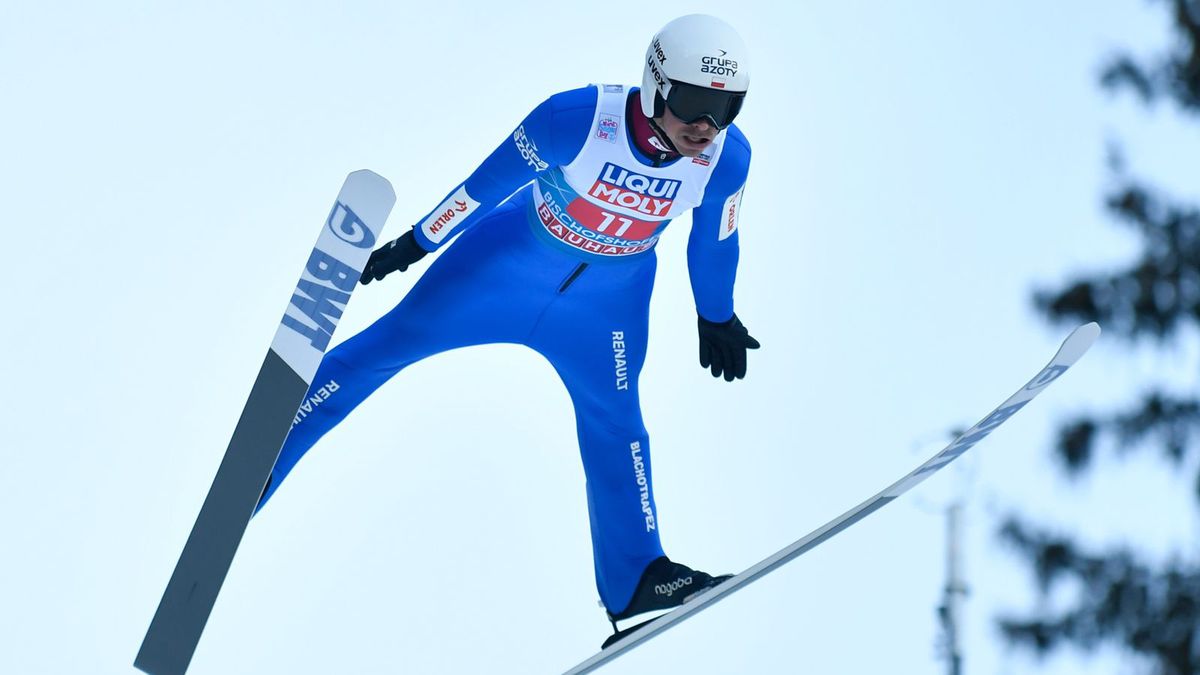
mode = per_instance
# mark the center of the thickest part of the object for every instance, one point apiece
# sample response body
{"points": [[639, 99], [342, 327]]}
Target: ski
{"points": [[347, 237], [1072, 349]]}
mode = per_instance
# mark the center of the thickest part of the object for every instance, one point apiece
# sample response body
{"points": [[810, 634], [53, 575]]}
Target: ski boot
{"points": [[664, 585]]}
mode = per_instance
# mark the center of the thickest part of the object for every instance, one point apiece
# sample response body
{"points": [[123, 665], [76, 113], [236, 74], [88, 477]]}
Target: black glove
{"points": [[394, 256], [723, 347]]}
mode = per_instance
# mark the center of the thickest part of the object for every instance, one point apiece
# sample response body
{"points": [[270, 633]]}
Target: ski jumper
{"points": [[565, 266]]}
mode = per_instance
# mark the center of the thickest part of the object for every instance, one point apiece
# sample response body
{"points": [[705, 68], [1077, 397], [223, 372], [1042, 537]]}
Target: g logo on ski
{"points": [[347, 226], [1048, 375]]}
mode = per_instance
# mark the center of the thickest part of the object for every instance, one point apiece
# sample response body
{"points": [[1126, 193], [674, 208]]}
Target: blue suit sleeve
{"points": [[551, 135], [713, 244]]}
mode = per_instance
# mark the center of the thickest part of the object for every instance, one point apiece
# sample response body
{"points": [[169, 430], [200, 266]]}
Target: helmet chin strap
{"points": [[662, 135]]}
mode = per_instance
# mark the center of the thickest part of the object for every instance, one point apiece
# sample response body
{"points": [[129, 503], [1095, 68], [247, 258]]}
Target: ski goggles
{"points": [[692, 103]]}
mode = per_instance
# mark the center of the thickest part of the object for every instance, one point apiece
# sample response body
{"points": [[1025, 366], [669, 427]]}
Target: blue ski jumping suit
{"points": [[553, 248]]}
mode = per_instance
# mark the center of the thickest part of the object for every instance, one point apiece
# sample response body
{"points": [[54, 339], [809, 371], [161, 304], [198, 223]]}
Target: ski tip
{"points": [[365, 176], [1078, 342]]}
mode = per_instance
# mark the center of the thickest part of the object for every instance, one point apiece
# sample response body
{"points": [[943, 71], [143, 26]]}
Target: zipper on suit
{"points": [[571, 279]]}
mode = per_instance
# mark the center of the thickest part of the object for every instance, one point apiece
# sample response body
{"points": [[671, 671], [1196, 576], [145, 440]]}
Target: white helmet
{"points": [[697, 66]]}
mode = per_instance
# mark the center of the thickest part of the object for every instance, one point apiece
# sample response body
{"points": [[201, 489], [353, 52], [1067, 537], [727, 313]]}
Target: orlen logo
{"points": [[448, 215], [622, 187], [719, 65], [730, 220], [347, 226]]}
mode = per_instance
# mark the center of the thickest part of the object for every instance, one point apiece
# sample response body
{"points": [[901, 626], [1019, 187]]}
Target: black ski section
{"points": [[186, 604]]}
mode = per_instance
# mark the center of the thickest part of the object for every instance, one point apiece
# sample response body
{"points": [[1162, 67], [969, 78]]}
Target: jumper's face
{"points": [[689, 139]]}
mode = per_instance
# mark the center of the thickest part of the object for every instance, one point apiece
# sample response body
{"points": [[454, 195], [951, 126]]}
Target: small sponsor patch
{"points": [[703, 159], [607, 127], [528, 149], [614, 89], [448, 215], [729, 215]]}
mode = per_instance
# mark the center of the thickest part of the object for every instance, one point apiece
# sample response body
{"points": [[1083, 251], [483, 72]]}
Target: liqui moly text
{"points": [[621, 187]]}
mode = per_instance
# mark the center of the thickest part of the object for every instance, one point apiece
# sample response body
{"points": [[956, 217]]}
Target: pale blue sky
{"points": [[917, 170]]}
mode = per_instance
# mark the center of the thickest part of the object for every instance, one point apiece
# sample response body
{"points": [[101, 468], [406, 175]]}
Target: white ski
{"points": [[1074, 347], [329, 277]]}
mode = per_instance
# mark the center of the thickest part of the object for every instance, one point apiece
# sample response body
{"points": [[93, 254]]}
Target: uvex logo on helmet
{"points": [[658, 51], [659, 79], [622, 187]]}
